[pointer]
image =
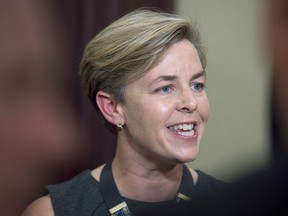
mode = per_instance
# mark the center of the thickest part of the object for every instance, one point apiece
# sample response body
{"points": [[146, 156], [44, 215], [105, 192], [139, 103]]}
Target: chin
{"points": [[187, 158]]}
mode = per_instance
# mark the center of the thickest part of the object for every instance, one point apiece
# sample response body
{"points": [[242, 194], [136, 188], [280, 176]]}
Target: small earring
{"points": [[119, 126]]}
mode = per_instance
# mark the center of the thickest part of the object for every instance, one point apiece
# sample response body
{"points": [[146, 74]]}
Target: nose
{"points": [[187, 101]]}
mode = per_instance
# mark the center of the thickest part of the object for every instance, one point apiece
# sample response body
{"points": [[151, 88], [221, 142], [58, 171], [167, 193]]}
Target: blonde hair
{"points": [[128, 48]]}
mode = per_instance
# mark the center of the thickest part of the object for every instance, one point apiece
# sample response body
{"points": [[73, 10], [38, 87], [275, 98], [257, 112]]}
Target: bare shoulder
{"points": [[97, 172], [40, 207], [194, 175]]}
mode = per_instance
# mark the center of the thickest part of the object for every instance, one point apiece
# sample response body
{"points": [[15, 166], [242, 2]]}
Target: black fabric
{"points": [[108, 188], [150, 208], [81, 196], [187, 184], [262, 193], [78, 196]]}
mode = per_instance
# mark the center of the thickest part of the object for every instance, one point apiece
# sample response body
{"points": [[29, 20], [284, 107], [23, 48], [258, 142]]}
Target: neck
{"points": [[146, 182]]}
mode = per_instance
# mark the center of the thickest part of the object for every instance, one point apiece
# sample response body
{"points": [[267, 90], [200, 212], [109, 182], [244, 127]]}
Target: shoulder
{"points": [[72, 188], [97, 172], [40, 207], [79, 195], [76, 182], [208, 182]]}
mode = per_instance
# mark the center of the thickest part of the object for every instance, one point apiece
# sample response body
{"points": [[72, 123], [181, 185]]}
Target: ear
{"points": [[109, 107]]}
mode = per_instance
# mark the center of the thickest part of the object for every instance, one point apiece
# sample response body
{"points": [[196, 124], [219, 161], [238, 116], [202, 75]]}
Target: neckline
{"points": [[199, 176], [149, 203], [116, 203]]}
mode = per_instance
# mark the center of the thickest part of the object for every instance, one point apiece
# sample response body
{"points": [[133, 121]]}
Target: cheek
{"points": [[149, 111], [162, 107], [157, 111], [204, 108]]}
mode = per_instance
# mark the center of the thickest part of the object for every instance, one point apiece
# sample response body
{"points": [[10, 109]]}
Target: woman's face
{"points": [[165, 111]]}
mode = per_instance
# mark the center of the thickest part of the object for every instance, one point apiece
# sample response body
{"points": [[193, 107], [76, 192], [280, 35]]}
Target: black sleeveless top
{"points": [[81, 196]]}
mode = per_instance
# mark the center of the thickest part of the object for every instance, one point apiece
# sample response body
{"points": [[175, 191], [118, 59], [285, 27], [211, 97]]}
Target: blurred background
{"points": [[237, 136], [48, 128]]}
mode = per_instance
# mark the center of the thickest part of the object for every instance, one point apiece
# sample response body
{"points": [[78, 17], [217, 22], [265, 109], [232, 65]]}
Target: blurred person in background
{"points": [[38, 127]]}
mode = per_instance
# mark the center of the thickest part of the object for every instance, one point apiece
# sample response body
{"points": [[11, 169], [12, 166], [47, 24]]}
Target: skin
{"points": [[170, 94], [150, 155]]}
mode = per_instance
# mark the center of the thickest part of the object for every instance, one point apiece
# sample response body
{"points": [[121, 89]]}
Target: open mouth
{"points": [[184, 129]]}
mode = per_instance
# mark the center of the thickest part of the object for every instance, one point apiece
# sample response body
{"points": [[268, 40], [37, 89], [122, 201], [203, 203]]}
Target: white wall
{"points": [[236, 137]]}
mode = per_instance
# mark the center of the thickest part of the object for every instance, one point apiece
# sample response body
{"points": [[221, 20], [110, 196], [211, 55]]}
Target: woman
{"points": [[145, 76]]}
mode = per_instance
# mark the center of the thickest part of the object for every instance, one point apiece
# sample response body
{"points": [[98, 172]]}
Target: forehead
{"points": [[180, 57]]}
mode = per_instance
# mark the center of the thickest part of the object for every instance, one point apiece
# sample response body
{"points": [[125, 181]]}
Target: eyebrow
{"points": [[173, 77], [199, 74], [163, 78]]}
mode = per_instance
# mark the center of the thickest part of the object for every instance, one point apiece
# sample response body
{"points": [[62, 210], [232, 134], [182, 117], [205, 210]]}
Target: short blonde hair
{"points": [[128, 48]]}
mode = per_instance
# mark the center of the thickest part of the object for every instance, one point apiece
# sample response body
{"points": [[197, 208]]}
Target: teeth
{"points": [[186, 133], [184, 127]]}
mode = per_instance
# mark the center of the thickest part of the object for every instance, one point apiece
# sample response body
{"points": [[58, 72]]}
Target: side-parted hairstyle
{"points": [[128, 48]]}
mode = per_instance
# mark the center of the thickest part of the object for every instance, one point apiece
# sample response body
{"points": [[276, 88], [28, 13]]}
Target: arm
{"points": [[40, 207]]}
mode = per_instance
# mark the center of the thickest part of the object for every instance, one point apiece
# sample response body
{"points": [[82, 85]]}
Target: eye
{"points": [[198, 86], [165, 89]]}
